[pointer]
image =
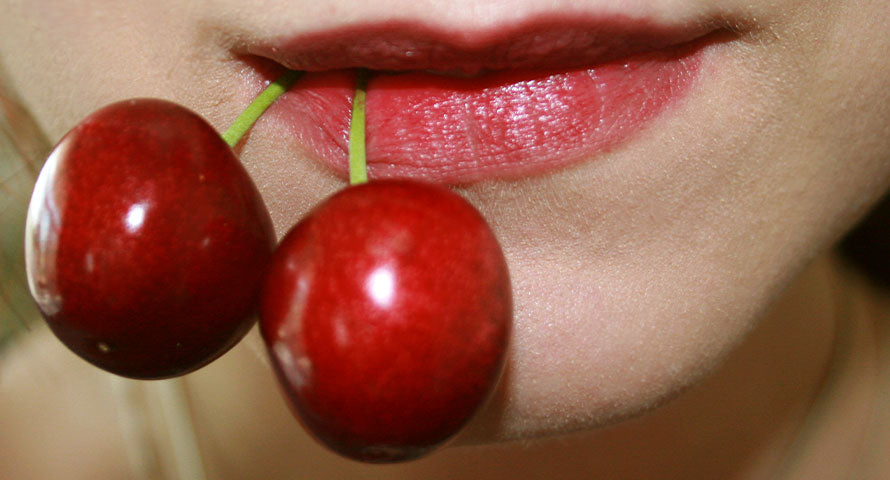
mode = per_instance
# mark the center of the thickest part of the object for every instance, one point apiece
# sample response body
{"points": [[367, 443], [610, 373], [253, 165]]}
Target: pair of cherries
{"points": [[385, 311]]}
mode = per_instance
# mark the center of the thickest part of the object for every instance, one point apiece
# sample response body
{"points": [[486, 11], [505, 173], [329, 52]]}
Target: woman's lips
{"points": [[484, 124], [542, 42]]}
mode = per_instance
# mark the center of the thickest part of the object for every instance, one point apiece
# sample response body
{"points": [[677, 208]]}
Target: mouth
{"points": [[458, 107]]}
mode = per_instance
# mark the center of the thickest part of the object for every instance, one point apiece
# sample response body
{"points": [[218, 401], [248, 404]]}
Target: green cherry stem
{"points": [[358, 165], [259, 105]]}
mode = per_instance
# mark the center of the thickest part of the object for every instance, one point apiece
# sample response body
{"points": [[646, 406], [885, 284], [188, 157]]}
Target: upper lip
{"points": [[543, 42]]}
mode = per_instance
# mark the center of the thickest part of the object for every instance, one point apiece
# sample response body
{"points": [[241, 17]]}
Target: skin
{"points": [[692, 263]]}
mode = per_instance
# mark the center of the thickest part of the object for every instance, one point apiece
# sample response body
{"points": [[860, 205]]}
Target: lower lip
{"points": [[502, 125]]}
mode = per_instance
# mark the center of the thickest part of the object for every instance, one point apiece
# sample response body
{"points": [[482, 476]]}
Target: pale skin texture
{"points": [[697, 254]]}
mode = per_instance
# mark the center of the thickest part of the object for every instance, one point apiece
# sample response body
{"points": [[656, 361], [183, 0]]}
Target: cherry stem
{"points": [[259, 105], [358, 165]]}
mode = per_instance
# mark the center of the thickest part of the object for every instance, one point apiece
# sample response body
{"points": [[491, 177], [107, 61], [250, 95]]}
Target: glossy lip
{"points": [[525, 100]]}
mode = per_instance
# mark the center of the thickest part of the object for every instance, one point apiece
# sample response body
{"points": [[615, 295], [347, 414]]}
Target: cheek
{"points": [[66, 59]]}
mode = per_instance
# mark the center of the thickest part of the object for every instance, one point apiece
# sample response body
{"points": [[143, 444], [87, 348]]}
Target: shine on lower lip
{"points": [[500, 125]]}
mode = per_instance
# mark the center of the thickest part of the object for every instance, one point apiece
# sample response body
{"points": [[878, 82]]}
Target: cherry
{"points": [[386, 313], [146, 241]]}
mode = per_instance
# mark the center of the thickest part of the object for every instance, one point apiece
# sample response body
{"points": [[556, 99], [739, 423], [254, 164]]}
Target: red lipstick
{"points": [[458, 106]]}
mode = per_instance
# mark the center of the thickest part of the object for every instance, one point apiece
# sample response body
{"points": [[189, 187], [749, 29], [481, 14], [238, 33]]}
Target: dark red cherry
{"points": [[386, 312], [146, 241]]}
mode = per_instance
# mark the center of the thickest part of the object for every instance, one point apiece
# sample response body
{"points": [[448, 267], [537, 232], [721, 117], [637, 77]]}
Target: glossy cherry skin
{"points": [[386, 312], [146, 241]]}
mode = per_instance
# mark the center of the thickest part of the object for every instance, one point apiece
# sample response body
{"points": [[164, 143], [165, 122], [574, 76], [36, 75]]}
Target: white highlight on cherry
{"points": [[381, 286], [135, 217]]}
